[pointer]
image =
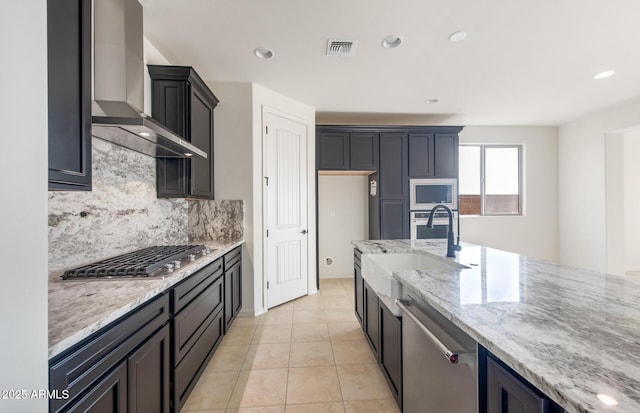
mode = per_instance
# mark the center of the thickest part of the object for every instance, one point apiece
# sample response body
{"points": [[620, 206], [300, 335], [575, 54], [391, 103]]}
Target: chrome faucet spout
{"points": [[451, 246]]}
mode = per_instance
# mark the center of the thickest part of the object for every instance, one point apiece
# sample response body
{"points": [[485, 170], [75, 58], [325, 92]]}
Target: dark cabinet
{"points": [[69, 94], [394, 220], [393, 181], [109, 395], [445, 159], [363, 151], [502, 390], [197, 327], [126, 362], [382, 329], [371, 318], [390, 351], [347, 151], [333, 150], [232, 285], [421, 155], [433, 155], [182, 102], [358, 286], [148, 375]]}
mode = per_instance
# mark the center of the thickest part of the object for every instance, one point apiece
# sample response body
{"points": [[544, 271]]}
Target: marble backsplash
{"points": [[122, 213]]}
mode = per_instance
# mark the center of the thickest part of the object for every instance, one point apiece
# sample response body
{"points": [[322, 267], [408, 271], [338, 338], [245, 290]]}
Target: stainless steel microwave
{"points": [[424, 194]]}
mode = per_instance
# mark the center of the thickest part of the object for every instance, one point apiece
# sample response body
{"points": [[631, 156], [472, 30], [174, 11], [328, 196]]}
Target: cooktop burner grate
{"points": [[146, 262]]}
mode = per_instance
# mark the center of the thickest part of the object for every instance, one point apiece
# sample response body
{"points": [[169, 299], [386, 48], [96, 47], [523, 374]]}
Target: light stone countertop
{"points": [[78, 309], [572, 333]]}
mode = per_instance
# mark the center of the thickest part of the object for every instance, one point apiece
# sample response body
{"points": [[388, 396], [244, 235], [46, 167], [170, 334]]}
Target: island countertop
{"points": [[79, 308], [572, 333]]}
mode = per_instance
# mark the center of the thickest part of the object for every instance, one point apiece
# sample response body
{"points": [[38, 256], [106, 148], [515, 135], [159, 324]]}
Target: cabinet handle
{"points": [[304, 231]]}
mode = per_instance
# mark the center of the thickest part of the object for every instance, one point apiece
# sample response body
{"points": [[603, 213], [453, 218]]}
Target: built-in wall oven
{"points": [[419, 229], [424, 194]]}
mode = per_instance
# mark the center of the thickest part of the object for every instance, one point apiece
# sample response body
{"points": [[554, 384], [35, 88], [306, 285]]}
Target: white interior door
{"points": [[286, 234]]}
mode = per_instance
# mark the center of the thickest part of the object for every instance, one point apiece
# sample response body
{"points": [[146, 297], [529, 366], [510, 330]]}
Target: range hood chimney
{"points": [[118, 85]]}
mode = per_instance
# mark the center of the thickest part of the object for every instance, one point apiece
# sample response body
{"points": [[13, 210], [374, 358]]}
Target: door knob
{"points": [[304, 231]]}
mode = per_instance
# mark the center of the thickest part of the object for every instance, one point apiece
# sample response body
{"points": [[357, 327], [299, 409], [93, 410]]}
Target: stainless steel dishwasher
{"points": [[439, 362]]}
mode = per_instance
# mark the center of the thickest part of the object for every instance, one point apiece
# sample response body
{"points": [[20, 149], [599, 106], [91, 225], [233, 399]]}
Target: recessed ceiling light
{"points": [[145, 134], [188, 154], [604, 74], [431, 101], [263, 53], [458, 36], [391, 42]]}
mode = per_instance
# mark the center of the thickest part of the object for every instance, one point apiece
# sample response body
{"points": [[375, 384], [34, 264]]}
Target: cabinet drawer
{"points": [[186, 373], [192, 320], [232, 257], [357, 256], [187, 290], [85, 364]]}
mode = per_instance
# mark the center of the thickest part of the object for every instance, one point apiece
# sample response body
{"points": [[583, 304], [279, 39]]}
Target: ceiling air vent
{"points": [[341, 48]]}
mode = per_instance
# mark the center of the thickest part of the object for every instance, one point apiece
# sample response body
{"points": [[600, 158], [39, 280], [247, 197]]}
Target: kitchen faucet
{"points": [[451, 247]]}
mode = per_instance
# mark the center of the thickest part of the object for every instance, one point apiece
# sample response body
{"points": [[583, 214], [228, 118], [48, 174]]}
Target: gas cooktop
{"points": [[147, 262]]}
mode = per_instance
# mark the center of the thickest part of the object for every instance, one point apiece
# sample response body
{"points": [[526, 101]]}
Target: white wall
{"points": [[23, 221], [343, 216], [535, 233], [239, 175], [581, 183], [233, 167], [632, 201]]}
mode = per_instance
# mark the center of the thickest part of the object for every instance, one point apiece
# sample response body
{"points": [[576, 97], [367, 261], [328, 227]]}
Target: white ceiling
{"points": [[524, 62]]}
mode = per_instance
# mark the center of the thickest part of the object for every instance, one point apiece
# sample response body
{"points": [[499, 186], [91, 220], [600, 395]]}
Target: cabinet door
{"points": [[333, 150], [107, 396], [69, 94], [394, 222], [148, 375], [359, 291], [391, 350], [169, 98], [363, 151], [393, 165], [421, 155], [201, 135], [446, 156], [371, 317], [232, 294], [507, 394]]}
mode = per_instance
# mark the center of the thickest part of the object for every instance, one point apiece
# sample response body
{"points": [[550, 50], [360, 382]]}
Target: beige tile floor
{"points": [[306, 356]]}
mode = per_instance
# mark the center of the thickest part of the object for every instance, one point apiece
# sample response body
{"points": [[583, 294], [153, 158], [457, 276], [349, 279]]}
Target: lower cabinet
{"points": [[232, 285], [371, 318], [198, 327], [502, 390], [358, 287], [150, 360], [390, 351], [382, 329], [122, 368]]}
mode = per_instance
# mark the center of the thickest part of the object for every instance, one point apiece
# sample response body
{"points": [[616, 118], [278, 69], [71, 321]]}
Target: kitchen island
{"points": [[572, 333], [79, 308]]}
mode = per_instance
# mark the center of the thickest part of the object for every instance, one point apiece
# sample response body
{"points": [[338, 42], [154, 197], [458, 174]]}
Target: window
{"points": [[490, 180]]}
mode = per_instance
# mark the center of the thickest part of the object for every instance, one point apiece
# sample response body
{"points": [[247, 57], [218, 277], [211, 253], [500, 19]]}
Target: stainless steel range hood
{"points": [[118, 85]]}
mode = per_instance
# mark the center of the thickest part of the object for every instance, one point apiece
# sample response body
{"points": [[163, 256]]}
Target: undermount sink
{"points": [[377, 271]]}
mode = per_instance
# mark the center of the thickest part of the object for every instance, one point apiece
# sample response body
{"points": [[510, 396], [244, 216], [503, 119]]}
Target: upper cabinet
{"points": [[433, 155], [183, 103], [69, 79], [347, 151]]}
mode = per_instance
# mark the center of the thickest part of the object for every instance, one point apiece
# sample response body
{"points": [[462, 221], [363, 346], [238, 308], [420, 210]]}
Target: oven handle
{"points": [[449, 354]]}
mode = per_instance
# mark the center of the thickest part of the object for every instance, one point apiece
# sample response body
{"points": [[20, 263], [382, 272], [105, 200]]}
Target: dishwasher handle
{"points": [[449, 354]]}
